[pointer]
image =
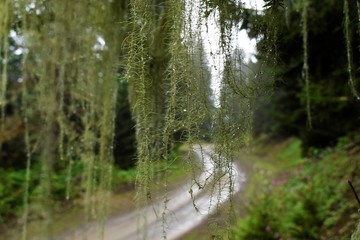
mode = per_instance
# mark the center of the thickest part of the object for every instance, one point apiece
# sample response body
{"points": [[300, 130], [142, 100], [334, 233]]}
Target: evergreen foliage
{"points": [[124, 136], [312, 62]]}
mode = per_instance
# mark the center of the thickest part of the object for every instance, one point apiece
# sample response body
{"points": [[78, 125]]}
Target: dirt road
{"points": [[186, 207]]}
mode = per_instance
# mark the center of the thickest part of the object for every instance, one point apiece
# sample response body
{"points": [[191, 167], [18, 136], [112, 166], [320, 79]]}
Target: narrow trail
{"points": [[186, 208]]}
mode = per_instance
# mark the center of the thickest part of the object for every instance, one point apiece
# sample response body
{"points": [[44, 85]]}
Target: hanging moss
{"points": [[358, 15], [349, 53], [306, 64], [70, 72], [25, 107], [69, 89], [356, 234], [141, 17]]}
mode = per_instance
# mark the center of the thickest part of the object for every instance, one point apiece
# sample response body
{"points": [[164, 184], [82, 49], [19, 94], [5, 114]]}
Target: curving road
{"points": [[186, 208]]}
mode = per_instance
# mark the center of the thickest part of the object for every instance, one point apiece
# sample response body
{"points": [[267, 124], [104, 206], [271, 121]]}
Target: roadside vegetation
{"points": [[67, 212], [69, 207], [292, 197]]}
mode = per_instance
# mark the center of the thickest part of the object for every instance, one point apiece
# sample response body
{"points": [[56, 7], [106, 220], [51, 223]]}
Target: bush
{"points": [[307, 205]]}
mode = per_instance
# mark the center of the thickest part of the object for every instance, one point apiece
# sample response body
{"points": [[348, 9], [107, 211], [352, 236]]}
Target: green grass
{"points": [[290, 153]]}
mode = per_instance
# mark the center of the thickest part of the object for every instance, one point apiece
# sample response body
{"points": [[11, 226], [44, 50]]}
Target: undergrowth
{"points": [[306, 198], [12, 181]]}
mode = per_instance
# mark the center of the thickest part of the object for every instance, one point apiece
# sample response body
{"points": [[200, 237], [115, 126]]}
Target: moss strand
{"points": [[349, 51], [306, 64]]}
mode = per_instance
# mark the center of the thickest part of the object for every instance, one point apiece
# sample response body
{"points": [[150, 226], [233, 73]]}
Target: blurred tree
{"points": [[330, 95], [12, 150], [124, 137]]}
